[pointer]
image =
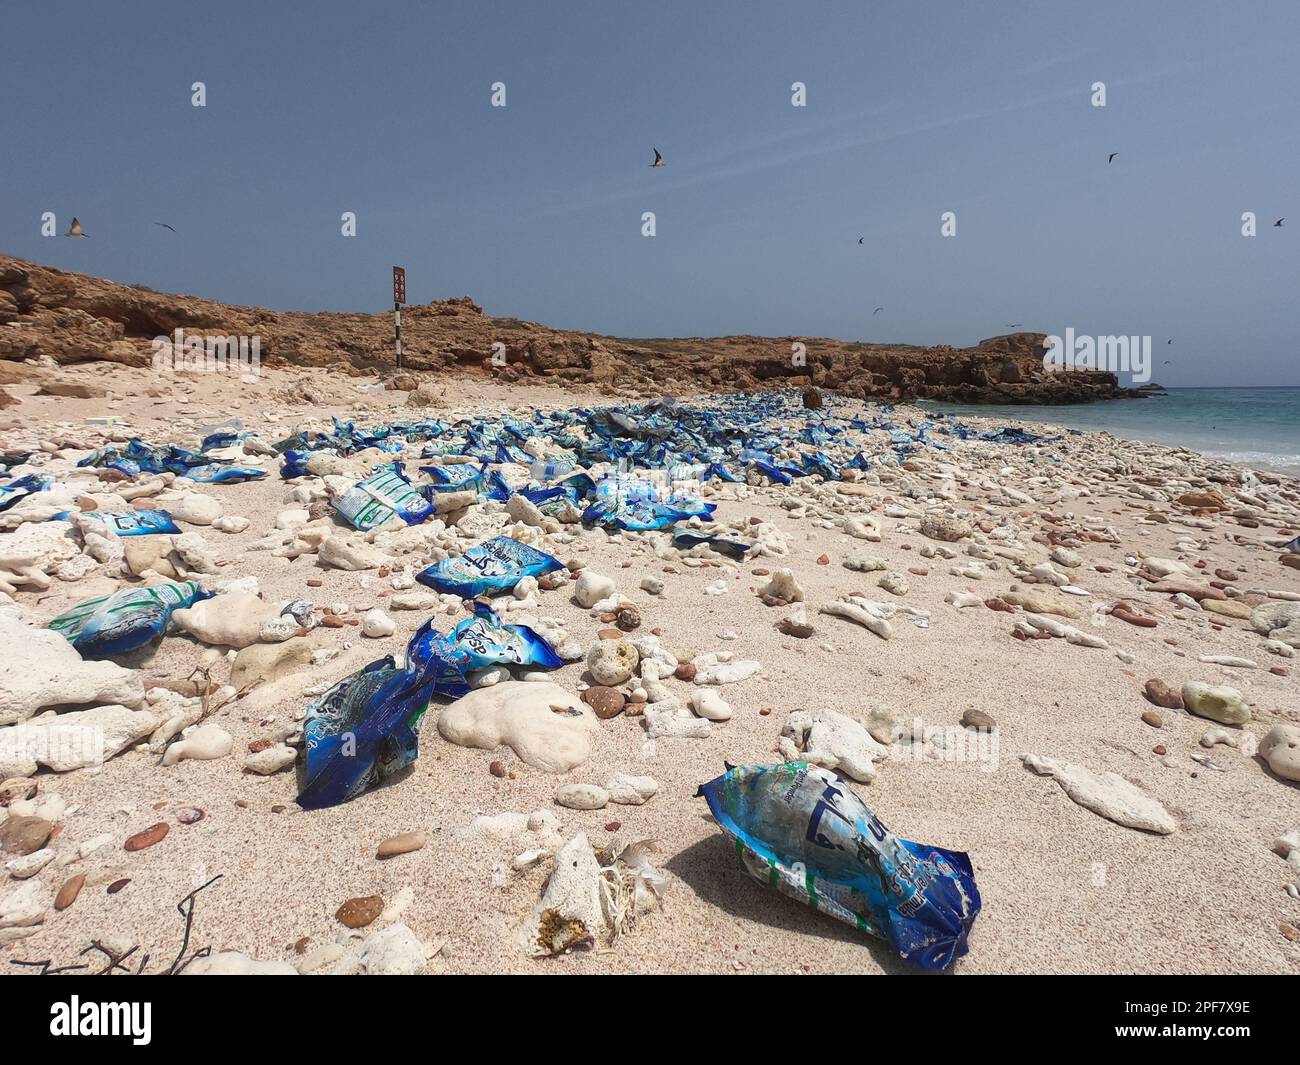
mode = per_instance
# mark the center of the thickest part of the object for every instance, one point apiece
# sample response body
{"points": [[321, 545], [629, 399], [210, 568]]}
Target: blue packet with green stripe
{"points": [[495, 565], [385, 493], [801, 829], [128, 522], [126, 620]]}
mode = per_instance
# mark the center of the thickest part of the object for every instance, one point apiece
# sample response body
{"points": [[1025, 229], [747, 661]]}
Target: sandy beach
{"points": [[1064, 888]]}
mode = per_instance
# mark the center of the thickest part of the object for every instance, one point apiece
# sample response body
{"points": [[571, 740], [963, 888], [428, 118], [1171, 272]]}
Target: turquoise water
{"points": [[1255, 426]]}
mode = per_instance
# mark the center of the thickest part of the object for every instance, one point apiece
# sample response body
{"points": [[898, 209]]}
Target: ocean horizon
{"points": [[1254, 426]]}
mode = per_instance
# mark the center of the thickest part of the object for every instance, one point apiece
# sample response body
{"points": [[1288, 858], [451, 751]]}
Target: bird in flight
{"points": [[165, 226], [1279, 221], [1112, 158], [659, 159], [1013, 325], [74, 230], [1170, 340], [861, 239], [1168, 361], [876, 311]]}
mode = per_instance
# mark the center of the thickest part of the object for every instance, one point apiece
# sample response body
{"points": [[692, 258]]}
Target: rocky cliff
{"points": [[52, 316]]}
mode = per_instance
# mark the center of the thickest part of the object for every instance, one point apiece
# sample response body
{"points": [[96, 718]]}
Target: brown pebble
{"points": [[118, 885], [1153, 718], [1160, 749], [760, 572], [151, 835], [1279, 671], [547, 583], [190, 815], [1290, 932], [300, 945], [260, 745], [823, 560], [765, 711], [628, 618], [24, 835], [497, 769], [278, 808], [800, 630], [684, 671], [919, 571], [361, 911], [69, 891], [997, 604], [403, 843], [613, 826], [609, 634], [329, 621], [606, 702], [1162, 695], [973, 718], [313, 582]]}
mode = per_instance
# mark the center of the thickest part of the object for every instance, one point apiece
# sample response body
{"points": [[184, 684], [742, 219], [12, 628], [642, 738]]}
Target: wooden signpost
{"points": [[399, 297]]}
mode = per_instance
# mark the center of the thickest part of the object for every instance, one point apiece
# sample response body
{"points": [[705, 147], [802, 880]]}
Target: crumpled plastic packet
{"points": [[367, 727], [126, 620], [488, 641], [22, 487], [800, 829], [373, 501], [723, 543], [636, 515], [495, 565], [128, 522]]}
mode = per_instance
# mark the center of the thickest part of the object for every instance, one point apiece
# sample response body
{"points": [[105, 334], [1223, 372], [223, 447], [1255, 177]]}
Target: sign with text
{"points": [[399, 284]]}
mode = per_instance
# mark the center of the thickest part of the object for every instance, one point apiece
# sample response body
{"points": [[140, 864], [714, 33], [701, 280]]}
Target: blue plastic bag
{"points": [[801, 829], [126, 620], [129, 522], [373, 501], [367, 727], [489, 641], [495, 565]]}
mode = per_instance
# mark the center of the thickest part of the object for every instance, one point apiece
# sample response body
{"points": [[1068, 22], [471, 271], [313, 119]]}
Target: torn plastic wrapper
{"points": [[685, 539], [801, 829], [126, 620], [640, 515], [367, 727], [128, 522], [489, 641], [495, 565], [12, 492], [388, 492]]}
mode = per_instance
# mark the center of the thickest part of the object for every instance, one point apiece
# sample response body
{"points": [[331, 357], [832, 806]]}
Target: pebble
{"points": [[361, 911], [582, 797], [148, 837], [404, 843]]}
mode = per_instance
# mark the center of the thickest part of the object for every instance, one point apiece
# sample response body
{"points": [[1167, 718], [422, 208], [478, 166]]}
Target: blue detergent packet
{"points": [[126, 620], [214, 473], [376, 499], [367, 727], [637, 515], [729, 545], [129, 522], [800, 829], [489, 641], [295, 463], [495, 565], [22, 487]]}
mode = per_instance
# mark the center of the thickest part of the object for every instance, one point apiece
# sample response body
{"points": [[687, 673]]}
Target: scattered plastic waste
{"points": [[126, 620], [802, 830], [379, 497], [495, 565], [488, 641], [18, 489], [366, 728], [128, 522]]}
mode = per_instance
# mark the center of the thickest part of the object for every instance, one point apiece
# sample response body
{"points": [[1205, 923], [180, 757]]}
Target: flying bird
{"points": [[1170, 340], [74, 230], [659, 159], [165, 226], [1279, 221], [861, 239], [876, 311], [1013, 325], [1112, 158]]}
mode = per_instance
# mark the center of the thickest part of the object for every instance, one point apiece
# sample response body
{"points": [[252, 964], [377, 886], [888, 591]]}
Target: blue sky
{"points": [[535, 209]]}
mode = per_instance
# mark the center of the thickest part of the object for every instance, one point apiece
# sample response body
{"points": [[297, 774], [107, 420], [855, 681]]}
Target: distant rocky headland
{"points": [[55, 317]]}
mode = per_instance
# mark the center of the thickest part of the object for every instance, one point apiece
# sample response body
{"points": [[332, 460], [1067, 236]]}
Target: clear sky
{"points": [[534, 209]]}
